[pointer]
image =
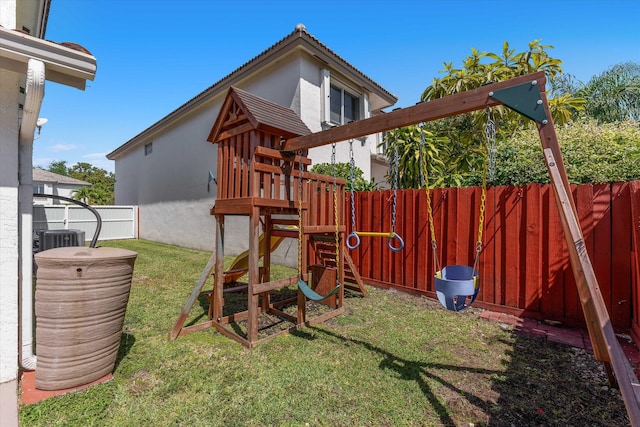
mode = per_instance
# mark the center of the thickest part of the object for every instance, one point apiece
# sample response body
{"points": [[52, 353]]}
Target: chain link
{"points": [[352, 168], [424, 180], [488, 171], [335, 208], [492, 148], [300, 177], [395, 182]]}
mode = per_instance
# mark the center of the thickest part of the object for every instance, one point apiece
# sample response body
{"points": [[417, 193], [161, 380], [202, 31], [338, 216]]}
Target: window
{"points": [[345, 107], [148, 148], [38, 188]]}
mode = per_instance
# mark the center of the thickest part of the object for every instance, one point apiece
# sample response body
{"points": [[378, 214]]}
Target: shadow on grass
{"points": [[419, 372], [546, 383], [126, 344]]}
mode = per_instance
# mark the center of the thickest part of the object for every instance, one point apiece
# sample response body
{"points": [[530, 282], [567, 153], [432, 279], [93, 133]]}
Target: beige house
{"points": [[45, 182], [27, 61], [166, 169]]}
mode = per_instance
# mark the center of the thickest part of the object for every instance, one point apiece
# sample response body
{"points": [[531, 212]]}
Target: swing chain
{"points": [[352, 177], [492, 149], [335, 207], [395, 182], [488, 171], [300, 178], [424, 180]]}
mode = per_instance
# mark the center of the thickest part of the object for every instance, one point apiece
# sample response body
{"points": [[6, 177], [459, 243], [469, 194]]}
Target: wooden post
{"points": [[266, 261], [254, 274], [177, 326], [218, 295], [601, 333]]}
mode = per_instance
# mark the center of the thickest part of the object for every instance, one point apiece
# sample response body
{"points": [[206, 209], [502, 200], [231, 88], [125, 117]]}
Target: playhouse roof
{"points": [[240, 106]]}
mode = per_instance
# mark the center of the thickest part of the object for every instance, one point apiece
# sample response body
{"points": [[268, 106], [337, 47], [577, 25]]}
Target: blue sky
{"points": [[154, 55]]}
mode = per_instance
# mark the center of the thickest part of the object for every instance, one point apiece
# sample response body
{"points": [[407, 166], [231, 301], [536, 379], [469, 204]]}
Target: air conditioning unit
{"points": [[49, 239]]}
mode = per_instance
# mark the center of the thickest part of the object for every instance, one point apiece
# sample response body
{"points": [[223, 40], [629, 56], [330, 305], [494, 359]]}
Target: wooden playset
{"points": [[262, 173], [274, 189]]}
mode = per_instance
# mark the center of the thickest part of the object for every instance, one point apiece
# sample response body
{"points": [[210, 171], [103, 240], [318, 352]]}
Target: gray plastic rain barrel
{"points": [[81, 299]]}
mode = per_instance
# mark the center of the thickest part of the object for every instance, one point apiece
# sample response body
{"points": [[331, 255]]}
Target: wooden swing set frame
{"points": [[526, 95]]}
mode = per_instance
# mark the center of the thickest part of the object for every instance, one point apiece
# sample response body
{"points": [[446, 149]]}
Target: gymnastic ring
{"points": [[396, 248], [353, 235]]}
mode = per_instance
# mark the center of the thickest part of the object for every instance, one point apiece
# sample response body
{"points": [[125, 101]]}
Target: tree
{"points": [[102, 182], [613, 95], [83, 194], [59, 167], [456, 145]]}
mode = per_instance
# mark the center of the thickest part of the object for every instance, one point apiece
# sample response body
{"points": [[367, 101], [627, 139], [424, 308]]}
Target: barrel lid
{"points": [[85, 253]]}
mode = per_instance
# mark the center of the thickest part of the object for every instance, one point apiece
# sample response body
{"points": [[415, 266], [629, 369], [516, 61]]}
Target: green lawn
{"points": [[390, 360]]}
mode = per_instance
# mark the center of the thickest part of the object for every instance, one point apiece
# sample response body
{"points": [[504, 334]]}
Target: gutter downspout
{"points": [[34, 93]]}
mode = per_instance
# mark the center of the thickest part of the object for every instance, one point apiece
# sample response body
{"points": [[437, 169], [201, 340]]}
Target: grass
{"points": [[390, 360]]}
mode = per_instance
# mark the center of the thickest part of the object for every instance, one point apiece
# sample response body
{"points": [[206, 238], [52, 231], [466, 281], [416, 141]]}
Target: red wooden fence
{"points": [[524, 267]]}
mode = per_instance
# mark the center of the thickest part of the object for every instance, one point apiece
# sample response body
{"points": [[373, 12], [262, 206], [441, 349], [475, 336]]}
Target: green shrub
{"points": [[592, 153], [343, 170]]}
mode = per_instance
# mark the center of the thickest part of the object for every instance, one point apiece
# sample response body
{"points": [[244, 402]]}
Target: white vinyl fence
{"points": [[118, 222]]}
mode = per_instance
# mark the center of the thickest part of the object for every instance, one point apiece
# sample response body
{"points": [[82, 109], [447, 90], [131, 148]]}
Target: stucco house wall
{"points": [[171, 184], [9, 239]]}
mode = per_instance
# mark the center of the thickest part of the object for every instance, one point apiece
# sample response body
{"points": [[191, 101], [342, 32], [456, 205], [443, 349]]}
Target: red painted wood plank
{"points": [[500, 284], [583, 199], [602, 239], [364, 214], [233, 142], [510, 211], [533, 244], [244, 165], [634, 188], [439, 208], [406, 226], [450, 226], [381, 224], [465, 225], [555, 260], [488, 256], [424, 253], [621, 247]]}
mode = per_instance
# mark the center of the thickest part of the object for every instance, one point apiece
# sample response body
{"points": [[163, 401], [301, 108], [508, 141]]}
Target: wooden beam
{"points": [[459, 103], [177, 327], [603, 339]]}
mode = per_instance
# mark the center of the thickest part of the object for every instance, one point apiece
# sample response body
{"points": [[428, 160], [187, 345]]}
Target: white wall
{"points": [[9, 225], [9, 91]]}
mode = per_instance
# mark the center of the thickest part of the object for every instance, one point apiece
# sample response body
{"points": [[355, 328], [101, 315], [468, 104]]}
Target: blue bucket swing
{"points": [[457, 286]]}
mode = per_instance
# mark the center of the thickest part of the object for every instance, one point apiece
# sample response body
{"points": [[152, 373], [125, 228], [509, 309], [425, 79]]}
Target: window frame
{"points": [[344, 91], [148, 148]]}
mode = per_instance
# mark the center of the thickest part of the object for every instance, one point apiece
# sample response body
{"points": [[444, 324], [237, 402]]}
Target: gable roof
{"points": [[240, 105], [41, 175], [298, 39]]}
